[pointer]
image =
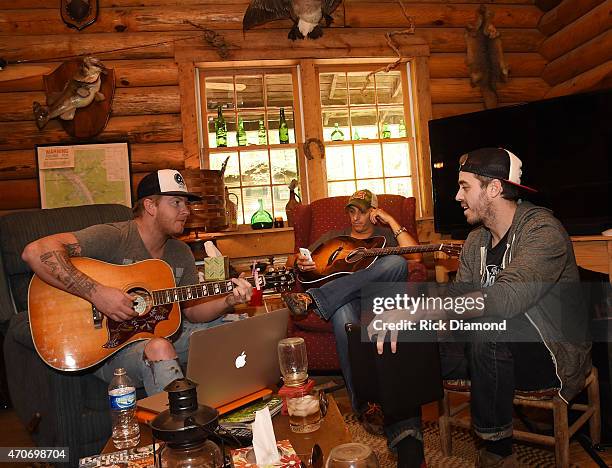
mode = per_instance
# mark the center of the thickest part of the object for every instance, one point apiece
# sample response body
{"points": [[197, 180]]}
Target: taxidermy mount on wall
{"points": [[79, 14], [485, 56], [78, 94], [305, 14]]}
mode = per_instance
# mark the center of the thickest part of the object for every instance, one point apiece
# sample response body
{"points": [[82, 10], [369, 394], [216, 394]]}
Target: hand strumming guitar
{"points": [[113, 303]]}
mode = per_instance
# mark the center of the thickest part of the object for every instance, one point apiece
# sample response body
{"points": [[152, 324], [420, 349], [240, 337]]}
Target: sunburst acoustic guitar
{"points": [[70, 334], [344, 255]]}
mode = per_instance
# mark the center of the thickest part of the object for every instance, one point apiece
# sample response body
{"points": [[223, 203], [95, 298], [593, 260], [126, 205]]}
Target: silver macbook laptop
{"points": [[231, 361]]}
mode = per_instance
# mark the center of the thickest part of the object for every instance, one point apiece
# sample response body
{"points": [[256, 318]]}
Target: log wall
{"points": [[140, 39], [578, 47]]}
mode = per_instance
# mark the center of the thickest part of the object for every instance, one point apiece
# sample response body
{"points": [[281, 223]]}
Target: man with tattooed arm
{"points": [[159, 215]]}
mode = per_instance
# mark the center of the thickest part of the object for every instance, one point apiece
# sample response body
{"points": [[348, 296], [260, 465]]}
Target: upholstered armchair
{"points": [[310, 223]]}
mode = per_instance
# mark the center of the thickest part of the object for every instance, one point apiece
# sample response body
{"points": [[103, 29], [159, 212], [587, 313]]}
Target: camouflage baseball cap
{"points": [[363, 199]]}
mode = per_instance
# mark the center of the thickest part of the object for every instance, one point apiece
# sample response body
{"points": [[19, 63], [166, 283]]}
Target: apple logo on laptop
{"points": [[241, 361]]}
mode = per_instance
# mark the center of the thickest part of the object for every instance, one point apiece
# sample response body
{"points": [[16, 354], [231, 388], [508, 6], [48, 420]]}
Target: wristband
{"points": [[399, 231]]}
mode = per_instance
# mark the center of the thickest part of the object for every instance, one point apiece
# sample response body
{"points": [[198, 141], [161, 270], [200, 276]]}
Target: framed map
{"points": [[71, 175]]}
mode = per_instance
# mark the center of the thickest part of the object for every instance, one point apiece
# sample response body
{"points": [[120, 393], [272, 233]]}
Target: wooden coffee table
{"points": [[332, 432]]}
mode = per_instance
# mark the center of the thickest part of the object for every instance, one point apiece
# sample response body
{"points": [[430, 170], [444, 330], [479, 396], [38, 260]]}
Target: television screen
{"points": [[564, 144]]}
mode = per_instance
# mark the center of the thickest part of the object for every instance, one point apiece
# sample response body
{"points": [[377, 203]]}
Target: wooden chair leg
{"points": [[593, 396], [444, 425], [561, 432]]}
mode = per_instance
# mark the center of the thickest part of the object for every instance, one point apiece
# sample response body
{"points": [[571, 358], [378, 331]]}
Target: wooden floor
{"points": [[13, 433]]}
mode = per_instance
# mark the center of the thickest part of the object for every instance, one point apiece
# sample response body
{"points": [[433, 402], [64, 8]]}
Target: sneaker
{"points": [[298, 303], [490, 460], [372, 419]]}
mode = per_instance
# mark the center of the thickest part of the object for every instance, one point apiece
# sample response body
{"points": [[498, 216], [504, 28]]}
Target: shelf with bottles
{"points": [[363, 124], [248, 128]]}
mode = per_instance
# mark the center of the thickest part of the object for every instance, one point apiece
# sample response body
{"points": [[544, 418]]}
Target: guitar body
{"points": [[331, 259], [70, 335]]}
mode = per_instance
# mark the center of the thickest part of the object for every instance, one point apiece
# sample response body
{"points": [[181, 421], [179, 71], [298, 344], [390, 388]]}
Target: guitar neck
{"points": [[403, 250], [195, 291]]}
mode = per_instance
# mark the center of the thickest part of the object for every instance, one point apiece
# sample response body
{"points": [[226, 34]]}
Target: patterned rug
{"points": [[465, 447]]}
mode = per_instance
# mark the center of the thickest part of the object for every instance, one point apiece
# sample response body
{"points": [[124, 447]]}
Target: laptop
{"points": [[399, 382], [231, 361]]}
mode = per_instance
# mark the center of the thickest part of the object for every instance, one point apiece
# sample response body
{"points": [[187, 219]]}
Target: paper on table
{"points": [[264, 440]]}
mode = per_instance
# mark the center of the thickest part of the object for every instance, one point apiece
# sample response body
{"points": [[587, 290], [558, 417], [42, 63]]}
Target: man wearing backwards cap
{"points": [[159, 214], [511, 263], [338, 301]]}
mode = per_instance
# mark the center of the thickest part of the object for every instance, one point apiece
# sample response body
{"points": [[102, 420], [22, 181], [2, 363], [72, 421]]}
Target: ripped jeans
{"points": [[154, 376]]}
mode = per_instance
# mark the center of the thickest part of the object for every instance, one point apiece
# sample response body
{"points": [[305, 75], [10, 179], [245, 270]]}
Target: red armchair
{"points": [[310, 223]]}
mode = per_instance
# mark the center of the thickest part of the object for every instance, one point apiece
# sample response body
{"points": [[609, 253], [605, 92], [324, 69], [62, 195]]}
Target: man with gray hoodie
{"points": [[518, 269]]}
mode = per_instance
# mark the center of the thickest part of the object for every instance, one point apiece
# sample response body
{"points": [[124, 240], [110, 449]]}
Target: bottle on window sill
{"points": [[262, 136], [283, 129], [386, 133], [337, 134], [220, 129], [241, 135], [402, 129], [261, 219]]}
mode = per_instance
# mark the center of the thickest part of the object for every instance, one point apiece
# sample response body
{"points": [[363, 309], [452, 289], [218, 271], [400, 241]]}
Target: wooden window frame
{"points": [[312, 171]]}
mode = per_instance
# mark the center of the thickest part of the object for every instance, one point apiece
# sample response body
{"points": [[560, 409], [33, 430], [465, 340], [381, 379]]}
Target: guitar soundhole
{"points": [[142, 300]]}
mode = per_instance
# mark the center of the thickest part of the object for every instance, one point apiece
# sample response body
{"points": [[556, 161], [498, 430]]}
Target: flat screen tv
{"points": [[564, 144]]}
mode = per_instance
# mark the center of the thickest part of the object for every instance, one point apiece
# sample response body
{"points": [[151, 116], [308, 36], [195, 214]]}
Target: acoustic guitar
{"points": [[70, 334], [344, 255]]}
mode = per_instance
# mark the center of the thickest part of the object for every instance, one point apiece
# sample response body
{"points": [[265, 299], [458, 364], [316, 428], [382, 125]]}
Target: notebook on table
{"points": [[232, 361]]}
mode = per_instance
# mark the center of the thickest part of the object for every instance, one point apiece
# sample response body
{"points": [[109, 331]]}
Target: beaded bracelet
{"points": [[399, 231]]}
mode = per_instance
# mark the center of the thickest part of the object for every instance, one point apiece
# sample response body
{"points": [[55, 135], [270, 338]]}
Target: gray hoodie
{"points": [[538, 255]]}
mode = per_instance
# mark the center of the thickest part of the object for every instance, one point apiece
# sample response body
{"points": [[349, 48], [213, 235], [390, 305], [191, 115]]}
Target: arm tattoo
{"points": [[74, 250], [59, 265]]}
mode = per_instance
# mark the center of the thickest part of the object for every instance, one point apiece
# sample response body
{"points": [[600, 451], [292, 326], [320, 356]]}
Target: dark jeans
{"points": [[495, 369], [340, 301]]}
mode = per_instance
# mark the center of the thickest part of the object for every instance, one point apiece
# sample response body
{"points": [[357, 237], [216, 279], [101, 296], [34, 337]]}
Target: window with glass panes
{"points": [[367, 130], [258, 163]]}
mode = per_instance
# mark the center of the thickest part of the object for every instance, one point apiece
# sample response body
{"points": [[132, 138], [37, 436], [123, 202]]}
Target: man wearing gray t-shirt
{"points": [[159, 214]]}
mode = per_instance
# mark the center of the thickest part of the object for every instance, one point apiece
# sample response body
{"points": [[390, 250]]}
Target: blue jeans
{"points": [[340, 301], [495, 369], [153, 376]]}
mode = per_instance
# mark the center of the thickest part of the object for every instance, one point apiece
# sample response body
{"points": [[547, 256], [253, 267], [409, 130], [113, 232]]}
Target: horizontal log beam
{"points": [[579, 60], [565, 13], [30, 4], [167, 18], [599, 77], [160, 45], [144, 157], [454, 66], [588, 26], [448, 110], [135, 129], [127, 101], [390, 15], [152, 72], [459, 90]]}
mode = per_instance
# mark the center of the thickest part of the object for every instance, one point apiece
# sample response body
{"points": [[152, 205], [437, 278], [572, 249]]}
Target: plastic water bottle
{"points": [[122, 398]]}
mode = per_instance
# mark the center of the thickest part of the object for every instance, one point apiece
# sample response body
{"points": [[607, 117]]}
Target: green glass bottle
{"points": [[241, 135], [283, 129], [402, 129], [261, 219], [356, 135], [220, 129], [262, 136], [337, 134], [386, 133]]}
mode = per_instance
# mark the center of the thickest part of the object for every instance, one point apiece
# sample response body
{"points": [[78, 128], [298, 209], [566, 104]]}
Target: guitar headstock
{"points": [[281, 279], [451, 249]]}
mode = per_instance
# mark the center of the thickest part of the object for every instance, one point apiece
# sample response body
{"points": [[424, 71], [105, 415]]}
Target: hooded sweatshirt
{"points": [[538, 258]]}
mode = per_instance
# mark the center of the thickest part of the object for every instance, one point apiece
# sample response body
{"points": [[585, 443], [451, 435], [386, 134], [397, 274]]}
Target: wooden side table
{"points": [[332, 432]]}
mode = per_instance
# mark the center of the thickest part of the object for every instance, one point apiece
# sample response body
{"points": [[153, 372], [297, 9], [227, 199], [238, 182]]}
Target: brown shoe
{"points": [[298, 303], [372, 419], [490, 460]]}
